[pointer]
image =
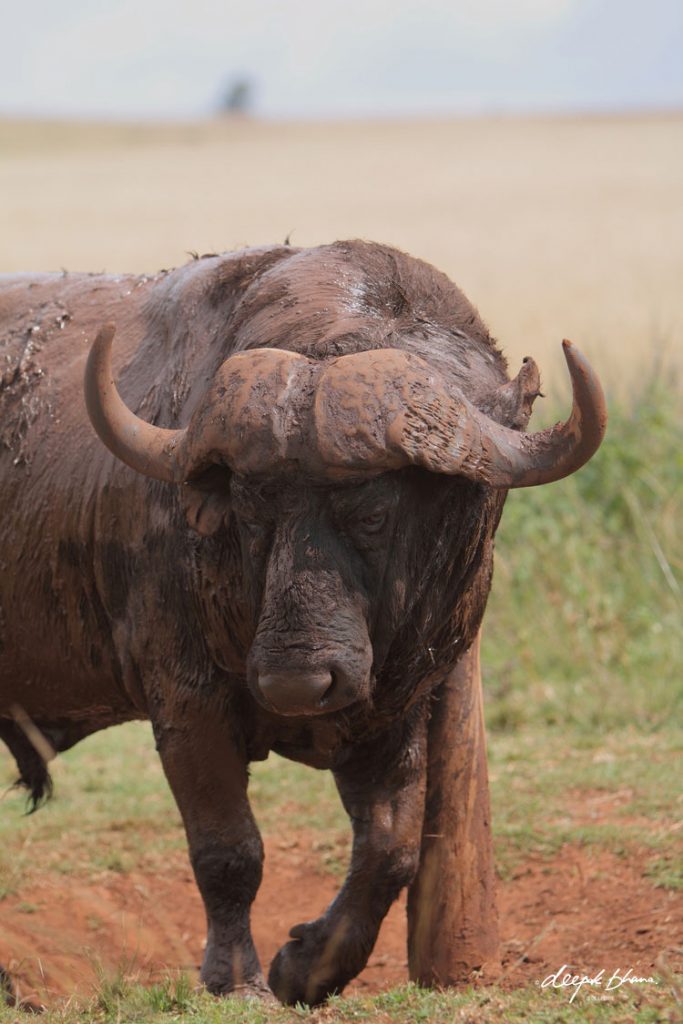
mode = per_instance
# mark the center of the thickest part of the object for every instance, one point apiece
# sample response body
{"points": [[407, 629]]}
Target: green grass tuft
{"points": [[584, 629], [173, 1001]]}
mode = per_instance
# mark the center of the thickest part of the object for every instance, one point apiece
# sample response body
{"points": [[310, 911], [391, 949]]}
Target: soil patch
{"points": [[585, 907]]}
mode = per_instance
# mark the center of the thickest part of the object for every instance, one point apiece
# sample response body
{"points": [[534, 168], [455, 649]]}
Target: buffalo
{"points": [[278, 536]]}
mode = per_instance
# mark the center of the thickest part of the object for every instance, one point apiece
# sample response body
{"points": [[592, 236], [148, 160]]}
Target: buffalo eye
{"points": [[372, 523]]}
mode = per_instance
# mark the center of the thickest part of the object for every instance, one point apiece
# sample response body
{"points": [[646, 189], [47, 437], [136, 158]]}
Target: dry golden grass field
{"points": [[553, 227]]}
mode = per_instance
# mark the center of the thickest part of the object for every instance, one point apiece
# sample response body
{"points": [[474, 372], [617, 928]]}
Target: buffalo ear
{"points": [[511, 404], [206, 500]]}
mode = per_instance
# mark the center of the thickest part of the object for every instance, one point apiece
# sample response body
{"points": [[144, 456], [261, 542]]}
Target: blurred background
{"points": [[533, 151]]}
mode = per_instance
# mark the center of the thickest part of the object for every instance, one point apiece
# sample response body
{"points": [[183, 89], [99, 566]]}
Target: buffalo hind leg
{"points": [[208, 778], [383, 793]]}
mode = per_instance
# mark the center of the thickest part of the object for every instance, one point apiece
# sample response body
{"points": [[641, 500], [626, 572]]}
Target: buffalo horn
{"points": [[150, 450], [383, 409], [487, 452]]}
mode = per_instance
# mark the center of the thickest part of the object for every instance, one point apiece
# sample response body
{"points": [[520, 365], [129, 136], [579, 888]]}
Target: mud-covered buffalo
{"points": [[278, 536]]}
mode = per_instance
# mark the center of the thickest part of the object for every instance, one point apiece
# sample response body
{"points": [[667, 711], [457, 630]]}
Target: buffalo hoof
{"points": [[318, 963], [254, 989], [8, 995]]}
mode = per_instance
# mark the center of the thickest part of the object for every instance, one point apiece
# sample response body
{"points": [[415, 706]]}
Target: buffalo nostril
{"points": [[293, 693], [327, 695]]}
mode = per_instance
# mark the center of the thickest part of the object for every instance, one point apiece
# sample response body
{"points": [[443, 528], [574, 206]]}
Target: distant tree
{"points": [[237, 97]]}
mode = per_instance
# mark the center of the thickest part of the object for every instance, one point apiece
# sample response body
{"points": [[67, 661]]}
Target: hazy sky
{"points": [[174, 58]]}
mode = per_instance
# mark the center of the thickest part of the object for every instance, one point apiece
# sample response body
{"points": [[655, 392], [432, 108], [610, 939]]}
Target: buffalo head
{"points": [[309, 454]]}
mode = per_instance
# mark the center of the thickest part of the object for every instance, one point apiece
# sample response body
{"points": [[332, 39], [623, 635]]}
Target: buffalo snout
{"points": [[294, 693], [309, 690], [311, 653]]}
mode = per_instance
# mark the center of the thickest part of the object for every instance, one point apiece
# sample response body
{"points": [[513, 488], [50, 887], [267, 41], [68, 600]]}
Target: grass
{"points": [[537, 785], [583, 685], [110, 792], [613, 793], [584, 629], [122, 1000]]}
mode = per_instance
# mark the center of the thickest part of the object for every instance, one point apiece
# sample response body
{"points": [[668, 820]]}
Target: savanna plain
{"points": [[554, 228]]}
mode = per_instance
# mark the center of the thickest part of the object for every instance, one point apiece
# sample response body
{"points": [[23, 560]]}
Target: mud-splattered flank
{"points": [[21, 373]]}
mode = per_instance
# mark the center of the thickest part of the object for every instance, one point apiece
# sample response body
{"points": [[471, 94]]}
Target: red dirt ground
{"points": [[585, 908]]}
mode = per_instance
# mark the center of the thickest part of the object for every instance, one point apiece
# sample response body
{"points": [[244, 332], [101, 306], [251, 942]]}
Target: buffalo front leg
{"points": [[383, 794], [208, 777], [452, 915]]}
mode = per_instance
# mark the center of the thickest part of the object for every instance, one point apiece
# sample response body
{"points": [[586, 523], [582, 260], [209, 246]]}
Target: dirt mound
{"points": [[585, 908]]}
